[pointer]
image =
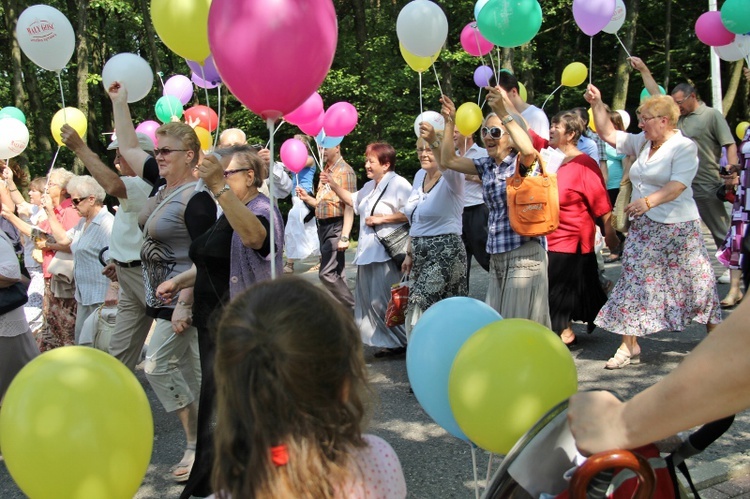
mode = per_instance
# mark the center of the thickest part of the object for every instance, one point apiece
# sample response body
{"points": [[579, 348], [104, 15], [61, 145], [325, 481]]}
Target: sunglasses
{"points": [[77, 201], [258, 147], [495, 132], [228, 173], [166, 151]]}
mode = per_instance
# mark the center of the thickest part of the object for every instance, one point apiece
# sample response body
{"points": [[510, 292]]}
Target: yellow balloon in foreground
{"points": [[505, 377], [76, 423], [592, 125], [574, 74], [741, 129], [416, 62], [468, 118], [73, 117], [522, 92], [183, 26]]}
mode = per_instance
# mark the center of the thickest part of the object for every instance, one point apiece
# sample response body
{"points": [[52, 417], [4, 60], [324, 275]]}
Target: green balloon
{"points": [[13, 112], [735, 16], [510, 23], [645, 94], [168, 106]]}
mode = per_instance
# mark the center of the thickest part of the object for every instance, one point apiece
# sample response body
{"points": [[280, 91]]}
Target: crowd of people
{"points": [[193, 232]]}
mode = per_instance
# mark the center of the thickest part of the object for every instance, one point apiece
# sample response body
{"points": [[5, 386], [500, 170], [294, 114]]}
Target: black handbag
{"points": [[13, 297], [397, 242]]}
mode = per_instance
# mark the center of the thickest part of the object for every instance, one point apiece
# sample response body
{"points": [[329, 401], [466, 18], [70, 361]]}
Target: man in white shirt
{"points": [[475, 214], [535, 117], [131, 324]]}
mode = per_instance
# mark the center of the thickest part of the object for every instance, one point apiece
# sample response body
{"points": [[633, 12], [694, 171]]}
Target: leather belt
{"points": [[127, 265]]}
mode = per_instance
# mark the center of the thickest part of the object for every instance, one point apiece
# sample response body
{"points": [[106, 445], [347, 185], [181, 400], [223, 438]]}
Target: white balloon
{"points": [[46, 37], [435, 119], [14, 137], [618, 18], [735, 51], [422, 28], [132, 71], [625, 118]]}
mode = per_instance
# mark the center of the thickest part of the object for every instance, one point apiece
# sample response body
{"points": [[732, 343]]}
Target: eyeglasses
{"points": [[643, 121], [77, 201], [422, 150], [228, 173], [165, 151], [495, 132], [678, 102]]}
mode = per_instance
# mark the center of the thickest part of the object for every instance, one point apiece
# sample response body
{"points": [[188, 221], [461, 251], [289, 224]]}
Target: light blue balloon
{"points": [[434, 343], [478, 7], [645, 93], [13, 112], [324, 141]]}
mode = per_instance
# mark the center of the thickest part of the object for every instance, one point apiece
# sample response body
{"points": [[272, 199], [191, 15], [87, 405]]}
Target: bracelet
{"points": [[645, 198], [16, 190], [184, 303], [507, 119], [436, 144]]}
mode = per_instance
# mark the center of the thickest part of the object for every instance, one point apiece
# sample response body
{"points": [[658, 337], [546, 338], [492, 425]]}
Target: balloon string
{"points": [[62, 98], [296, 177], [437, 79], [489, 469], [54, 159], [205, 90], [479, 97], [591, 57], [476, 476], [492, 62], [312, 153], [218, 117], [275, 130], [420, 95], [550, 96], [623, 45], [169, 101], [272, 222], [476, 38]]}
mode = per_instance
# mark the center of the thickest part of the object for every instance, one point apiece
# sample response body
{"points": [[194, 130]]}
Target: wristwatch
{"points": [[221, 191], [436, 144], [344, 239], [507, 119]]}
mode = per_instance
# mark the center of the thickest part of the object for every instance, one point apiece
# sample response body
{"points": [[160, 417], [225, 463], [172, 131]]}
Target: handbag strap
{"points": [[164, 202], [517, 178], [372, 211]]}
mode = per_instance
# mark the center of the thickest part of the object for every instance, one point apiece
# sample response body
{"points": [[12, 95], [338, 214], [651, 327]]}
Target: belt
{"points": [[328, 221], [127, 265]]}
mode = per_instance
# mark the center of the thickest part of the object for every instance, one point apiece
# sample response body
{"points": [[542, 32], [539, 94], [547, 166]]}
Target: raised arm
{"points": [[499, 102], [126, 137], [448, 157], [342, 193], [604, 126], [106, 177], [648, 79], [58, 231]]}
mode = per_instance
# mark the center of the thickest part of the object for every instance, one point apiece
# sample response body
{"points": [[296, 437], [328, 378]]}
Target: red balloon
{"points": [[206, 117]]}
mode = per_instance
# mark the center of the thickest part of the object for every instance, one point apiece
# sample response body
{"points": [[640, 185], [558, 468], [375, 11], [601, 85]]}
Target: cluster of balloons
{"points": [[327, 126], [593, 16], [486, 379], [726, 30], [14, 136], [81, 418]]}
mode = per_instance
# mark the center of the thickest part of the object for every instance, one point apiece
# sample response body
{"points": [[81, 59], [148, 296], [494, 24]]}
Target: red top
{"points": [[583, 198], [68, 216]]}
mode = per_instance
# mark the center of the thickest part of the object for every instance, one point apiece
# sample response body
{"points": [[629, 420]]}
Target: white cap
{"points": [[144, 141]]}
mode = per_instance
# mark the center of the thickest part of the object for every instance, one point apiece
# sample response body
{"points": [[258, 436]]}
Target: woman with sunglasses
{"points": [[230, 256], [518, 264], [171, 219], [667, 279], [436, 257], [85, 241]]}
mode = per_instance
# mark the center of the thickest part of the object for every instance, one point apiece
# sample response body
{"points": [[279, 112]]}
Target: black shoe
{"points": [[389, 352]]}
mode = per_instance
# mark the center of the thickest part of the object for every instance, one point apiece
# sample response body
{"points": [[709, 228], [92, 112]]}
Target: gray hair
{"points": [[248, 157], [85, 186], [61, 177]]}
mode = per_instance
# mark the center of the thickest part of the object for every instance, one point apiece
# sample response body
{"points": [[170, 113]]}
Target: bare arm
{"points": [[126, 137], [393, 218], [648, 79], [732, 156], [448, 157], [23, 227], [604, 126], [15, 197], [347, 228], [342, 193], [668, 193], [106, 177], [58, 231]]}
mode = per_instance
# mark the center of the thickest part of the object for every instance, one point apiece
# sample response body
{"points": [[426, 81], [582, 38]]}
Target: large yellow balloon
{"points": [[741, 129], [468, 118], [204, 137], [416, 62], [76, 423], [73, 117], [505, 377], [574, 74], [592, 125], [522, 92], [183, 26]]}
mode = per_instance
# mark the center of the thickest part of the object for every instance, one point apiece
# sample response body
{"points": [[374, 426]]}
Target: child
{"points": [[291, 378]]}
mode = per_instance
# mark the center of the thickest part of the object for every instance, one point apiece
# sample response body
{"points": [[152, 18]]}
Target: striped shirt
{"points": [[91, 285], [329, 204]]}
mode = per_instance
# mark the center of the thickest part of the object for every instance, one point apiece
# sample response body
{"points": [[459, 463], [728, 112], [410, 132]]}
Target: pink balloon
{"points": [[179, 86], [593, 15], [294, 155], [710, 30], [340, 119], [313, 127], [473, 42], [200, 82], [149, 128], [294, 41], [308, 111]]}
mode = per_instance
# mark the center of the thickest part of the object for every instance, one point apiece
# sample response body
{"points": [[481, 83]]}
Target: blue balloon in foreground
{"points": [[478, 7], [434, 343], [324, 141]]}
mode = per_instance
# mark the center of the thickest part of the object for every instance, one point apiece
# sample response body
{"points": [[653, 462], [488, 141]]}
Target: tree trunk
{"points": [[150, 36], [17, 89], [82, 73], [667, 44], [622, 81], [40, 116], [734, 84]]}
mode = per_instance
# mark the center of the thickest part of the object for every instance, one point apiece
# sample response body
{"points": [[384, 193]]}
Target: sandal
{"points": [[621, 359], [612, 259], [389, 352], [289, 268], [180, 472], [731, 302]]}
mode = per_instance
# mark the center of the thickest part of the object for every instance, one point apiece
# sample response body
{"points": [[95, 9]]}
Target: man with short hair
{"points": [[131, 323], [335, 220], [232, 137], [534, 116]]}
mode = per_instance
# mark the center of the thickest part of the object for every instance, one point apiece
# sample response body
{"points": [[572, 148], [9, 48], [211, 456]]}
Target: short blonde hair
{"points": [[661, 105], [423, 143], [60, 177], [185, 134]]}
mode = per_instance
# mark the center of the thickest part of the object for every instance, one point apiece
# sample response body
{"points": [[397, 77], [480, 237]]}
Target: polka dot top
{"points": [[376, 472]]}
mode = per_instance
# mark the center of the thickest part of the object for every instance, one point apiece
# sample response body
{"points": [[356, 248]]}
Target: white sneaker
{"points": [[724, 278]]}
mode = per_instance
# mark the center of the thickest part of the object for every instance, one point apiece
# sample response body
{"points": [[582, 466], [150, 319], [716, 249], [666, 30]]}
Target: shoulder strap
{"points": [[165, 200], [379, 197]]}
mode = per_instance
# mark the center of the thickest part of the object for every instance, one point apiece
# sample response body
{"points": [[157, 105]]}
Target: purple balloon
{"points": [[200, 82], [209, 72], [593, 15], [179, 86], [482, 76]]}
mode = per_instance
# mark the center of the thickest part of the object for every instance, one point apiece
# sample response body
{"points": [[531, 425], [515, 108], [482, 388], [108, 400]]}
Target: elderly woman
{"points": [[86, 240], [171, 219], [378, 205], [518, 264], [667, 279], [229, 257], [436, 258]]}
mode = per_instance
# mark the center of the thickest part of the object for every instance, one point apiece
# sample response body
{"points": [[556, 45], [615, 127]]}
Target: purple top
{"points": [[249, 266]]}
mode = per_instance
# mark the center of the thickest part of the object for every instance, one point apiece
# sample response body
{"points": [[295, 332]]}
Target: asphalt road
{"points": [[435, 463]]}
